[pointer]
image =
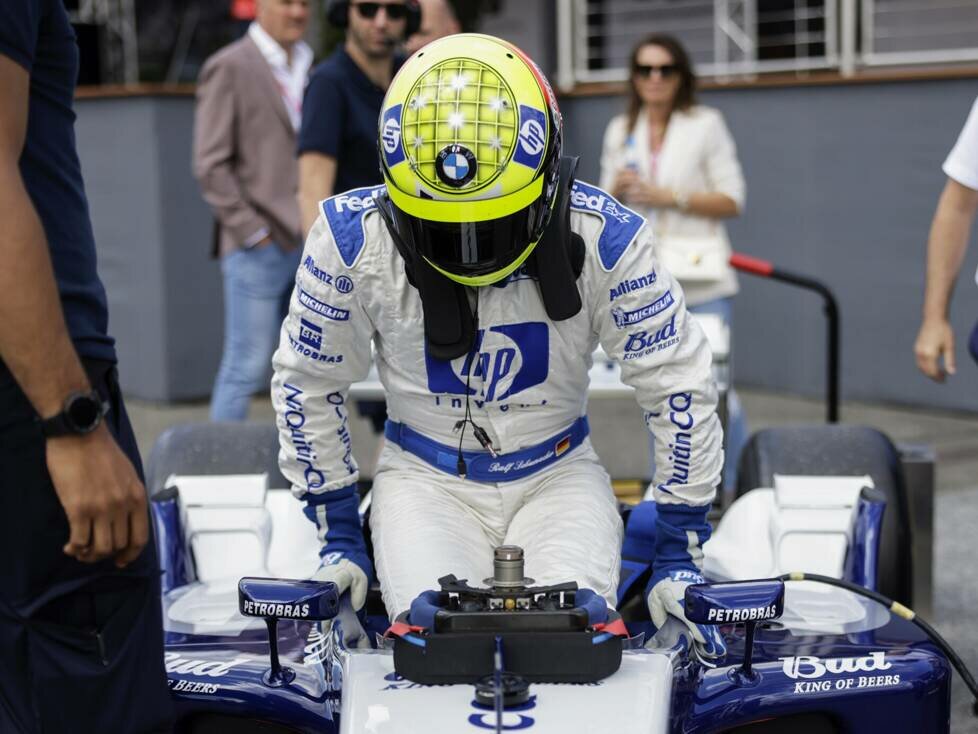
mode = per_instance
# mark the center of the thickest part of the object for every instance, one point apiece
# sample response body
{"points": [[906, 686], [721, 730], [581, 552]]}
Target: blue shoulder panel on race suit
{"points": [[344, 213], [621, 224]]}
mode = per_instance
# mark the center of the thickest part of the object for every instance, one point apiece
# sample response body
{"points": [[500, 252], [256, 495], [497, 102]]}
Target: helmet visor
{"points": [[479, 248]]}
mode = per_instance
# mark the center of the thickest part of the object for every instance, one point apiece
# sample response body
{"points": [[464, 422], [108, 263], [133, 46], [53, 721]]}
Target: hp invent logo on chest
{"points": [[505, 360]]}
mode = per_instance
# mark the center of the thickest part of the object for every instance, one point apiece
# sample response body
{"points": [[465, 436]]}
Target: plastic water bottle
{"points": [[631, 155], [631, 164]]}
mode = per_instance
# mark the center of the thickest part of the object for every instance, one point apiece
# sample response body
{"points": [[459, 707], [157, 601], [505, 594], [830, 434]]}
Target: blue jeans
{"points": [[736, 428], [257, 286]]}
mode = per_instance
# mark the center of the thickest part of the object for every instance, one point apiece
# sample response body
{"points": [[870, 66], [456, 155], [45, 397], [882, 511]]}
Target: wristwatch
{"points": [[681, 198], [81, 414]]}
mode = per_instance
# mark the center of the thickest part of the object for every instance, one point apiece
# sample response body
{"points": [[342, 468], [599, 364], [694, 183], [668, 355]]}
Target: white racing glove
{"points": [[347, 575], [666, 599]]}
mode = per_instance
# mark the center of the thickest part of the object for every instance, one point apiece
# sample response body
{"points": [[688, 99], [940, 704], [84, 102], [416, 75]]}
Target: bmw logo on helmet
{"points": [[456, 165]]}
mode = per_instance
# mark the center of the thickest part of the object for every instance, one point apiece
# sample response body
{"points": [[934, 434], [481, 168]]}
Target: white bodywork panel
{"points": [[802, 524], [236, 526], [635, 700]]}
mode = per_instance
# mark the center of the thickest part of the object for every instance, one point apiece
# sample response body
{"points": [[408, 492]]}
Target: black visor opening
{"points": [[479, 248]]}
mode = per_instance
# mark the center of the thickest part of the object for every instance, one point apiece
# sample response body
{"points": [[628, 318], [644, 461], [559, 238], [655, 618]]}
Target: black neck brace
{"points": [[556, 263]]}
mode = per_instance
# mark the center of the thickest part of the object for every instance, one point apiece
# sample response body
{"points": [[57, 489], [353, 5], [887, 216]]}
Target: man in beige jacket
{"points": [[249, 107]]}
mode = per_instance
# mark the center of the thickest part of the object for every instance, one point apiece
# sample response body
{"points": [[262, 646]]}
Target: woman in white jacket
{"points": [[675, 162]]}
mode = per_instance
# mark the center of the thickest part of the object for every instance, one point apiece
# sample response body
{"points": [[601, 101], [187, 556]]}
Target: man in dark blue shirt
{"points": [[338, 138], [81, 644]]}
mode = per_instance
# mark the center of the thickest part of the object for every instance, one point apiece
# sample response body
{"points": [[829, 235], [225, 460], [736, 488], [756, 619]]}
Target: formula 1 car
{"points": [[794, 564]]}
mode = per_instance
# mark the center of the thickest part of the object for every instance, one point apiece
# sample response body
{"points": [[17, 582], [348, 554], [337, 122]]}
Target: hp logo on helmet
{"points": [[532, 137], [391, 135]]}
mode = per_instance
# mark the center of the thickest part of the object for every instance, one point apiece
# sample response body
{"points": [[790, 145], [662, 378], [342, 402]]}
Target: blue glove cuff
{"points": [[680, 532], [336, 513]]}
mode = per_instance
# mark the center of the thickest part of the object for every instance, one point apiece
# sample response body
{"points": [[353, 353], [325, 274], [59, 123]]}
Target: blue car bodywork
{"points": [[864, 670]]}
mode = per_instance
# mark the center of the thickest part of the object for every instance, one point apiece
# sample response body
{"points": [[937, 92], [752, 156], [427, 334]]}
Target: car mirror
{"points": [[313, 601], [275, 599], [749, 602], [736, 601]]}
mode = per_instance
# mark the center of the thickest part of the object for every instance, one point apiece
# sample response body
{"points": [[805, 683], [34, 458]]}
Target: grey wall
{"points": [[529, 25], [153, 235], [842, 184]]}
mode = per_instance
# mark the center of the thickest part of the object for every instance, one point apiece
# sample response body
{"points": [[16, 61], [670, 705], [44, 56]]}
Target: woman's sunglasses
{"points": [[395, 11], [665, 70]]}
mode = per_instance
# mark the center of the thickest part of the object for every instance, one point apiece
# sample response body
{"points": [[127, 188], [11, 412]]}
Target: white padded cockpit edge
{"points": [[803, 523]]}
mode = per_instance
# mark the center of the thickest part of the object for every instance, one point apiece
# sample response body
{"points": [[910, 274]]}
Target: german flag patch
{"points": [[562, 445]]}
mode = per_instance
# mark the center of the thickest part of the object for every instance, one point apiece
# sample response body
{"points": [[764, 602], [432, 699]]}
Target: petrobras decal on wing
{"points": [[505, 360], [644, 343], [812, 671], [261, 609], [342, 283], [624, 319], [295, 418], [390, 136], [742, 615], [681, 446], [532, 137], [632, 284], [323, 309]]}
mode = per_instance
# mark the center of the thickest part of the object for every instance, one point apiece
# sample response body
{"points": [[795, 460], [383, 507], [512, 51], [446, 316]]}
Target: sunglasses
{"points": [[665, 70], [395, 11]]}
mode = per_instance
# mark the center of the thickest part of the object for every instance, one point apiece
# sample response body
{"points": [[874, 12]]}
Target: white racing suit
{"points": [[528, 386]]}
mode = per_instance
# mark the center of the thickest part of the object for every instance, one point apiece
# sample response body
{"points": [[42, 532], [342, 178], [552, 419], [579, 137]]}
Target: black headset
{"points": [[337, 13]]}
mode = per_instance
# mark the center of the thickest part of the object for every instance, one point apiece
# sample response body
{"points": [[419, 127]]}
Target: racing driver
{"points": [[484, 276]]}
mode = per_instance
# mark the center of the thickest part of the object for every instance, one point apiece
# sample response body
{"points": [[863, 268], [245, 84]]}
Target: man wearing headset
{"points": [[485, 276], [337, 144]]}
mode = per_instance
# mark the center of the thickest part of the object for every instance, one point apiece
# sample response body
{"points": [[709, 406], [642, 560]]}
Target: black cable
{"points": [[480, 434], [900, 610]]}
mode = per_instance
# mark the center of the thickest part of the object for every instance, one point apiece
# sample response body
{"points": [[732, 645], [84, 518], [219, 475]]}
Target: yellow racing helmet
{"points": [[470, 142]]}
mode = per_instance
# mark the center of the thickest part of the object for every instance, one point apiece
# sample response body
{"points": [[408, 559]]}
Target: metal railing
{"points": [[737, 38], [119, 43], [899, 32]]}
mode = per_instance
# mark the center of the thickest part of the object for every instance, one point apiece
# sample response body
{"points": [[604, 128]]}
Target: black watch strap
{"points": [[81, 414]]}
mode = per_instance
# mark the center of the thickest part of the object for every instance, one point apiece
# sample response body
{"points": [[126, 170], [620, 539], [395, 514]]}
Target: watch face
{"points": [[83, 413]]}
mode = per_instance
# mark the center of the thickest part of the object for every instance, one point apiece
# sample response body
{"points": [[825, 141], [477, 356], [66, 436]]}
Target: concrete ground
{"points": [[619, 437]]}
